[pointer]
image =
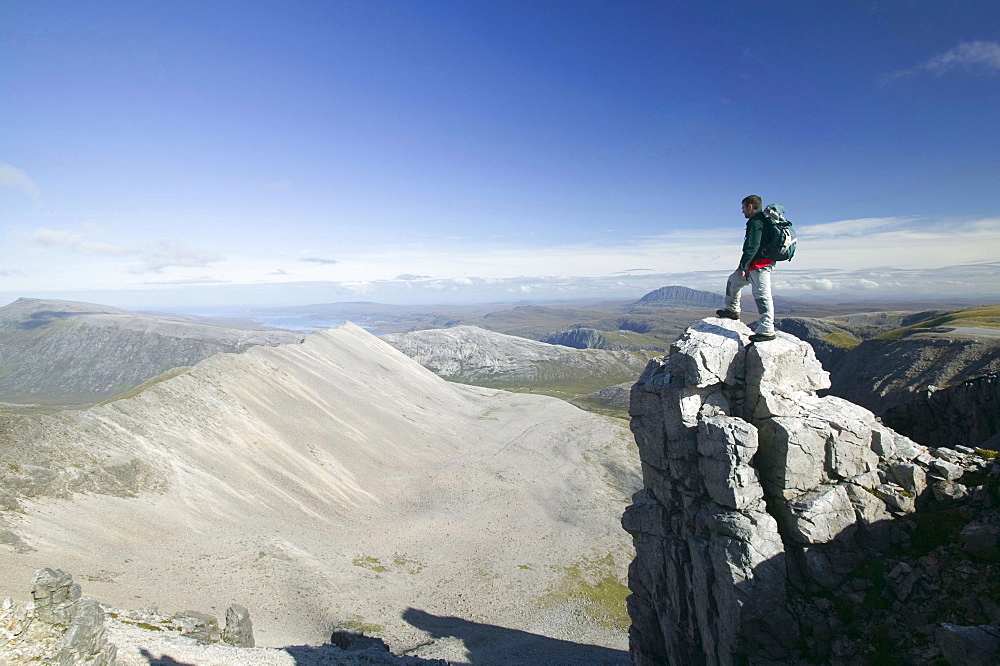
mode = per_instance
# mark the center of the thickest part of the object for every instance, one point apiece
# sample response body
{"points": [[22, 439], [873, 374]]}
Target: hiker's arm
{"points": [[751, 243]]}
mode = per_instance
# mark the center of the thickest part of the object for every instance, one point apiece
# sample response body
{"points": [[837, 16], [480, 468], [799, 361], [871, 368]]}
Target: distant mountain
{"points": [[474, 355], [67, 353], [680, 297], [335, 483]]}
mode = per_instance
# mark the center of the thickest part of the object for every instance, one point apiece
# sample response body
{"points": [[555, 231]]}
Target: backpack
{"points": [[782, 246]]}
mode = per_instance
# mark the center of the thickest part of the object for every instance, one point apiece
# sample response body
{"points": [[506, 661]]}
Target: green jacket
{"points": [[760, 234]]}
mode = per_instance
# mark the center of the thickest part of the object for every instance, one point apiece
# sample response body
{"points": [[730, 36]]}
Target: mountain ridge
{"points": [[66, 353]]}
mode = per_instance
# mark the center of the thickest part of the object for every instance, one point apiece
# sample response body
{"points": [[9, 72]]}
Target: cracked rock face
{"points": [[754, 486]]}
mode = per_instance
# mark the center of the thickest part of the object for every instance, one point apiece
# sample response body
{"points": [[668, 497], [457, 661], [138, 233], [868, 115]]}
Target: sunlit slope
{"points": [[986, 317], [329, 482]]}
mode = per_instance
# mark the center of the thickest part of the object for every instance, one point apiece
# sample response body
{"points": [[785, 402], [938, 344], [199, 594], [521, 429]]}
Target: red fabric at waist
{"points": [[759, 263]]}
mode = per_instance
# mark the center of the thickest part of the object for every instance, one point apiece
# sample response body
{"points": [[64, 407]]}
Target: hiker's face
{"points": [[748, 210]]}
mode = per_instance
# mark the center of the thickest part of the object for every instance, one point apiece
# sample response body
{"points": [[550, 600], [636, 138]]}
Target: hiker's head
{"points": [[751, 205]]}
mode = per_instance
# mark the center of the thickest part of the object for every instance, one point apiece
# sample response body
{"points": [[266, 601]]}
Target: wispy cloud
{"points": [[975, 281], [189, 281], [11, 176], [318, 260], [75, 241], [859, 227], [981, 58], [171, 253], [154, 259]]}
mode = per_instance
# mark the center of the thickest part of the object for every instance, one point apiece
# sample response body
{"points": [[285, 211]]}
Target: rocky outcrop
{"points": [[57, 627], [612, 397], [67, 353], [60, 627], [774, 524], [578, 338], [473, 355]]}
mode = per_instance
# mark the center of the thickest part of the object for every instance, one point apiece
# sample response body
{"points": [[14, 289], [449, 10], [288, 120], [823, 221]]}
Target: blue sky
{"points": [[271, 153]]}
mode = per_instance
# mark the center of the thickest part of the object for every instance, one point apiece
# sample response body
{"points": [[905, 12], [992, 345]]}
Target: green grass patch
{"points": [[571, 389], [357, 624], [633, 339], [410, 566], [370, 563], [842, 340], [982, 317], [987, 454], [400, 564], [598, 584]]}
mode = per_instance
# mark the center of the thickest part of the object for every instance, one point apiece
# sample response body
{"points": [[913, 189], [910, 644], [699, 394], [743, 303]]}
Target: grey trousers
{"points": [[760, 285]]}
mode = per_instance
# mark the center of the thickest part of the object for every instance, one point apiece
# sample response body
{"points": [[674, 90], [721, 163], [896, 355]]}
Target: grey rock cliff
{"points": [[763, 503], [880, 374], [967, 413], [578, 338]]}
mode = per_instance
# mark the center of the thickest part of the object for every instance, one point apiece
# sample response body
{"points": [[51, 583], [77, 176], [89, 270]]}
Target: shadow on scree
{"points": [[486, 644], [489, 645]]}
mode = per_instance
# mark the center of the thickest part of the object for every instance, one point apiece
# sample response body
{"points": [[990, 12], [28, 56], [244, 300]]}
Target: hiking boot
{"points": [[762, 337], [727, 314]]}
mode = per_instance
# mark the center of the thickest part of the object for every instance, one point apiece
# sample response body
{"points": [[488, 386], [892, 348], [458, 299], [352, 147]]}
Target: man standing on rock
{"points": [[754, 270]]}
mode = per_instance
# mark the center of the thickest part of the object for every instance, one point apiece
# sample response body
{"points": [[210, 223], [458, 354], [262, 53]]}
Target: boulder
{"points": [[819, 516], [969, 646], [239, 628], [201, 627], [981, 540]]}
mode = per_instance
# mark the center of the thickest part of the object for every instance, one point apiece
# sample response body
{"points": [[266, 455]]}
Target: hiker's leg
{"points": [[733, 286], [760, 281]]}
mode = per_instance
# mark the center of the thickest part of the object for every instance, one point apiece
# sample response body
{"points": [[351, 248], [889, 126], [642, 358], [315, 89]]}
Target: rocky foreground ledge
{"points": [[60, 626], [777, 526]]}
